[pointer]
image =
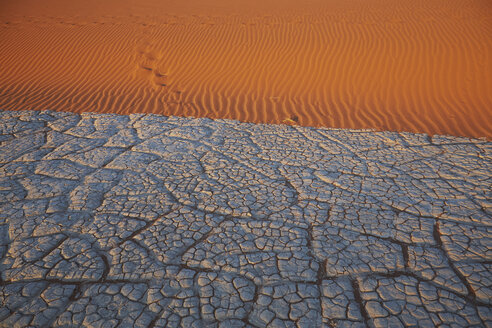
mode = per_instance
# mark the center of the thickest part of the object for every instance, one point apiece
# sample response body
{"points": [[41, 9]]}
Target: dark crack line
{"points": [[107, 267], [153, 322], [77, 293], [79, 282], [321, 274], [50, 250], [253, 302], [471, 293], [396, 274], [147, 225], [406, 259], [196, 242], [359, 301], [37, 295], [198, 269]]}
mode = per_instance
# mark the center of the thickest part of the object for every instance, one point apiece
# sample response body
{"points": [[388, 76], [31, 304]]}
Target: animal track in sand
{"points": [[159, 79], [148, 65]]}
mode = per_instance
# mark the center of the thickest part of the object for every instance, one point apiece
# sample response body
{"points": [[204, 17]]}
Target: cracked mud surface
{"points": [[152, 221]]}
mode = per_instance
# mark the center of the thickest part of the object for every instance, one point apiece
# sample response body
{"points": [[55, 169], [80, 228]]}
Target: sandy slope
{"points": [[421, 66]]}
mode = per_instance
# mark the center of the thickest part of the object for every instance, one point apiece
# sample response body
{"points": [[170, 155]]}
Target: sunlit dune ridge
{"points": [[419, 66]]}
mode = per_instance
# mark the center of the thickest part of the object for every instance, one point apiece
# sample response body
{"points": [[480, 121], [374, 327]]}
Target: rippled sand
{"points": [[419, 66]]}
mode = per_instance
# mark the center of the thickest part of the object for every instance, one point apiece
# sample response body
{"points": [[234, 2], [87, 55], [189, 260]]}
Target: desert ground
{"points": [[398, 65], [154, 221]]}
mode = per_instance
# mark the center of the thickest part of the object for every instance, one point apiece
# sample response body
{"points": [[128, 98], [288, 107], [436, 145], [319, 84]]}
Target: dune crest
{"points": [[418, 66]]}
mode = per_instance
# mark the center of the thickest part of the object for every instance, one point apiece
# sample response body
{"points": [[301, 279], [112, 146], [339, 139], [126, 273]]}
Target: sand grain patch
{"points": [[419, 66]]}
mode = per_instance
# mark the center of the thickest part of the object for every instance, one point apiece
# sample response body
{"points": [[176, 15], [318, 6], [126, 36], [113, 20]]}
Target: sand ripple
{"points": [[420, 66]]}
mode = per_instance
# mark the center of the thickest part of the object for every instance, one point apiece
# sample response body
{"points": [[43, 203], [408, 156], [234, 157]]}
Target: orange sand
{"points": [[420, 66]]}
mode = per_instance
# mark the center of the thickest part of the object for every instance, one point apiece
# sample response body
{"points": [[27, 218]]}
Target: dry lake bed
{"points": [[147, 220]]}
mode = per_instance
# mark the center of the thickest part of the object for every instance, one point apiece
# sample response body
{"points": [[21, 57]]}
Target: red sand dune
{"points": [[420, 66]]}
